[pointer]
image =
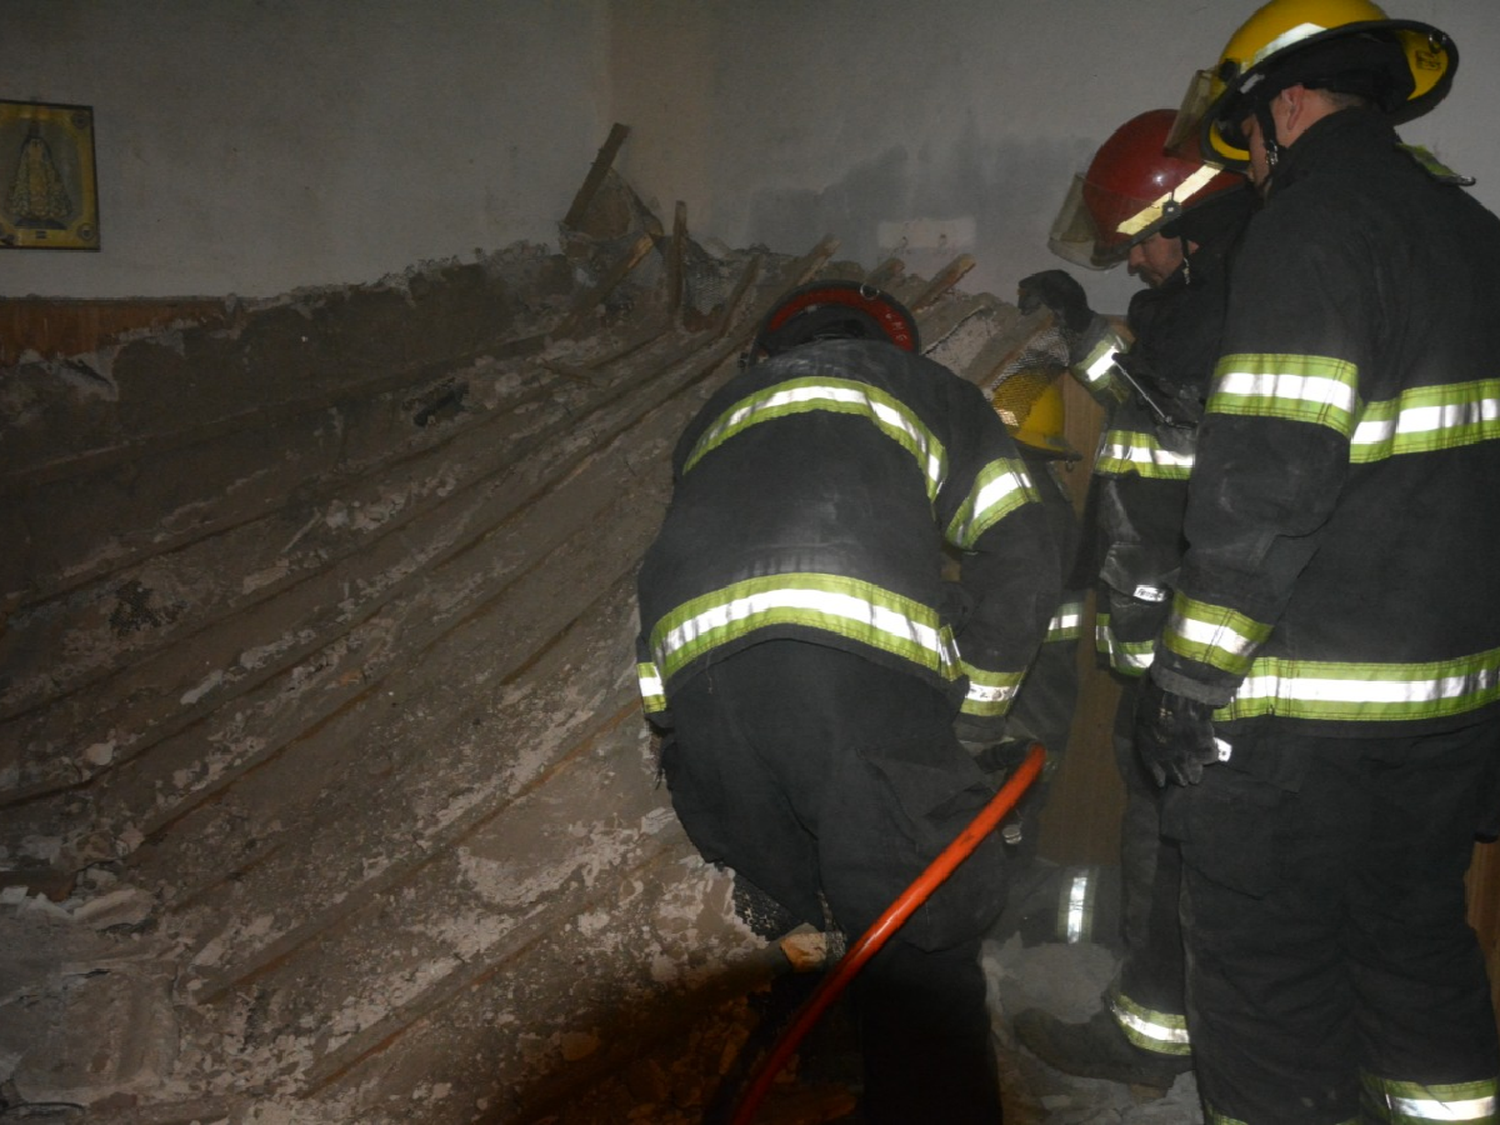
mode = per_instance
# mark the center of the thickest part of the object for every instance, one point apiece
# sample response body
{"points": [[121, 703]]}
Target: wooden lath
{"points": [[52, 327]]}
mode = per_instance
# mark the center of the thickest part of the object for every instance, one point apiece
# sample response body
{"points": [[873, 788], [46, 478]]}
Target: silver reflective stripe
{"points": [[653, 694], [1213, 635], [1000, 488], [1297, 395], [1429, 1109], [1286, 39], [1316, 389], [1075, 920], [990, 692], [1154, 1032], [1405, 1102], [1163, 1032], [1325, 391], [1066, 622], [844, 606], [1428, 418], [1099, 372], [1329, 690], [1097, 368], [846, 396], [1123, 452], [1128, 657], [1366, 691], [989, 698]]}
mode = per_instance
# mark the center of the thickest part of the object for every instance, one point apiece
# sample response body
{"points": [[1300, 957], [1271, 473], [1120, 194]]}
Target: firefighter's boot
{"points": [[1096, 1049]]}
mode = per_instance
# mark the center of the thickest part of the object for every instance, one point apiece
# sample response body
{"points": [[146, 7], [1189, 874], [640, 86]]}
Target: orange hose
{"points": [[883, 927]]}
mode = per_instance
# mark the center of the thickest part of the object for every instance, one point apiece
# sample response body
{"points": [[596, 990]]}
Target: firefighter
{"points": [[1173, 218], [1325, 695], [815, 672], [1029, 401]]}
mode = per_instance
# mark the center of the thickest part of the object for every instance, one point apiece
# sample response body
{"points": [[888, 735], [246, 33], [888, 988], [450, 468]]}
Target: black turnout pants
{"points": [[1332, 975], [811, 771], [1151, 978]]}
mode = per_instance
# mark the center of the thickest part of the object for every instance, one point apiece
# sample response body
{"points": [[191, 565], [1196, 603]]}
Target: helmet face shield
{"points": [[1184, 135], [1134, 187], [1076, 236]]}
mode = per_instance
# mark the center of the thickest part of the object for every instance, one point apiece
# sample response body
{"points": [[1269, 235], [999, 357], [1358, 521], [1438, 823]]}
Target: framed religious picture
{"points": [[49, 199]]}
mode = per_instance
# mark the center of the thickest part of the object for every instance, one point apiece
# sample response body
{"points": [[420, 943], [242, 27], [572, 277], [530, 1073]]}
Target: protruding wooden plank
{"points": [[592, 298], [887, 273], [951, 276], [736, 298], [674, 259], [596, 175]]}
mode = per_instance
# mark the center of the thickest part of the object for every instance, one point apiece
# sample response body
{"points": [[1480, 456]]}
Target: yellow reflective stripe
{"points": [[990, 693], [1435, 167], [1098, 366], [1410, 1103], [1066, 623], [1124, 452], [1165, 1033], [1098, 371], [1423, 419], [1152, 212], [1306, 689], [847, 607], [1298, 388], [841, 396], [999, 489], [1131, 658], [653, 694], [1214, 635]]}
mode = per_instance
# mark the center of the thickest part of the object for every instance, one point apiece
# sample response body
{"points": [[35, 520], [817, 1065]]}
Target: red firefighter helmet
{"points": [[825, 310], [1134, 187]]}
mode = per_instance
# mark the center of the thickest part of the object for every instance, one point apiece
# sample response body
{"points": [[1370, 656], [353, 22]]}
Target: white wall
{"points": [[852, 116], [256, 146]]}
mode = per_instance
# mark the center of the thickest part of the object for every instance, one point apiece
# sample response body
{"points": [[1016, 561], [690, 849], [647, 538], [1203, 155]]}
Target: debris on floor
{"points": [[1068, 981], [326, 794]]}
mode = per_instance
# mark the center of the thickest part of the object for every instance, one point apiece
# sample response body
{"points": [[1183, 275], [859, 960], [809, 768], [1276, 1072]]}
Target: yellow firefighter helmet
{"points": [[1352, 46], [1030, 403]]}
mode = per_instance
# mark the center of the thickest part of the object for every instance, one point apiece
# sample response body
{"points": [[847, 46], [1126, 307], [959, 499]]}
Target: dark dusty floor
{"points": [[1027, 966], [1067, 980]]}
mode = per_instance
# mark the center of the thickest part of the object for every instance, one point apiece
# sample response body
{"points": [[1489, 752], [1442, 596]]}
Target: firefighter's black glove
{"points": [[1174, 735], [999, 757], [1060, 292]]}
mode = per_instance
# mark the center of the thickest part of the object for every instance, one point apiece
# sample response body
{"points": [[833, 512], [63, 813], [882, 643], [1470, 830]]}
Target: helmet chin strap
{"points": [[1268, 137]]}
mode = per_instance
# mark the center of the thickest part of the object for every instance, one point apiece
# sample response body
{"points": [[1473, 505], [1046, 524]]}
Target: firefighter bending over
{"points": [[814, 671]]}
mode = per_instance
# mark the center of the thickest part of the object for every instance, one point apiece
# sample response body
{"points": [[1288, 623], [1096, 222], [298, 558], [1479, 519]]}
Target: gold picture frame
{"points": [[49, 197]]}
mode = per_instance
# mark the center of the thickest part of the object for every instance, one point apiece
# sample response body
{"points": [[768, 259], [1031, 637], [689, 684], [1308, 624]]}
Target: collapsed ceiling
{"points": [[326, 793]]}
